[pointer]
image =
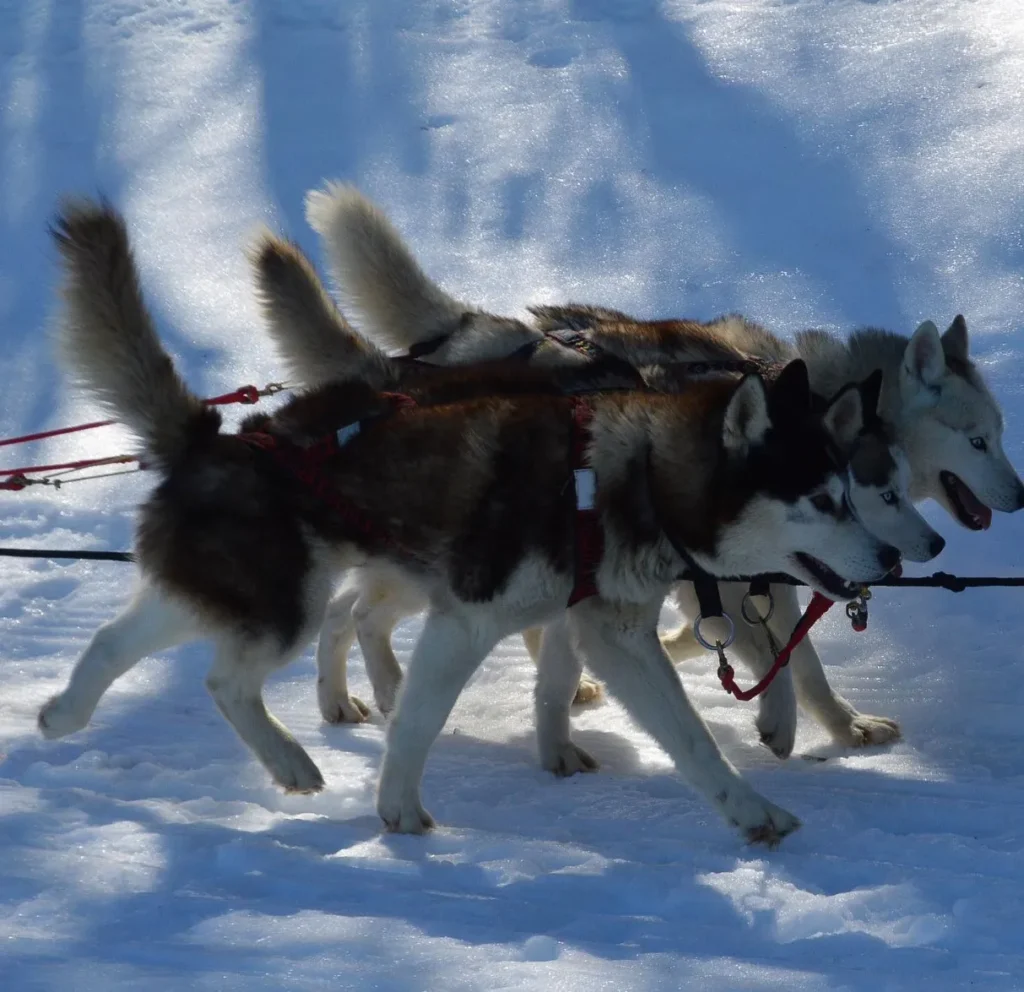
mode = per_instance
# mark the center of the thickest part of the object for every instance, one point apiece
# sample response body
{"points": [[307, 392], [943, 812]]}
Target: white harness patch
{"points": [[346, 433], [586, 488]]}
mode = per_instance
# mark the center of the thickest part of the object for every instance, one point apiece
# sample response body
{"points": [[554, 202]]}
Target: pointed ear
{"points": [[844, 418], [870, 391], [924, 363], [954, 341], [746, 417], [789, 397]]}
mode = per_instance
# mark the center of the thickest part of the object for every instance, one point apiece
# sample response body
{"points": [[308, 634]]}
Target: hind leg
{"points": [[379, 608], [450, 649], [587, 690], [336, 637], [847, 727], [235, 681], [150, 624]]}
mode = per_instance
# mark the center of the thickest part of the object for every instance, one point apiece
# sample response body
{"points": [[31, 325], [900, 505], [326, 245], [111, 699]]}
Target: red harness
{"points": [[589, 538], [308, 465]]}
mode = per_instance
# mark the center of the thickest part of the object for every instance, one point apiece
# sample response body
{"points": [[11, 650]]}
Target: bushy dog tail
{"points": [[313, 338], [377, 273], [107, 339]]}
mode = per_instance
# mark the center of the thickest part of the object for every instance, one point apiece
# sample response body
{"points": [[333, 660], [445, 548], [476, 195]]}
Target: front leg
{"points": [[620, 642], [846, 725], [450, 648]]}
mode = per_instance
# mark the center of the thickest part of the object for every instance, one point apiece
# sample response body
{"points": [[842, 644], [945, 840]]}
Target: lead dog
{"points": [[473, 502]]}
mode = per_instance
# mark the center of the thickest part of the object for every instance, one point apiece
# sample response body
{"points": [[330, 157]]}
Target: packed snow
{"points": [[808, 163]]}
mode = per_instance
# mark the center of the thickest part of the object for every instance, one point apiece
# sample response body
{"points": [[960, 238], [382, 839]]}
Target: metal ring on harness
{"points": [[754, 620], [729, 638]]}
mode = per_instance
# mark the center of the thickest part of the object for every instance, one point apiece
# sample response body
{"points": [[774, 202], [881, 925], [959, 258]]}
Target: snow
{"points": [[811, 163]]}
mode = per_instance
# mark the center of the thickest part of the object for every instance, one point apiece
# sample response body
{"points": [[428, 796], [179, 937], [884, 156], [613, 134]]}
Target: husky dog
{"points": [[473, 502], [317, 343], [943, 426]]}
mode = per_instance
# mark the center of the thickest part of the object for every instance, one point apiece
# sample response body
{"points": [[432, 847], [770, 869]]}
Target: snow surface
{"points": [[810, 163]]}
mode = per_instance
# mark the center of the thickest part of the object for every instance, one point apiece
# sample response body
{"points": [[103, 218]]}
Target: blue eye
{"points": [[979, 443], [890, 498]]}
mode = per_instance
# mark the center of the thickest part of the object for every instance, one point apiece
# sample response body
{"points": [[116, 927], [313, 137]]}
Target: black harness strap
{"points": [[705, 585], [423, 348]]}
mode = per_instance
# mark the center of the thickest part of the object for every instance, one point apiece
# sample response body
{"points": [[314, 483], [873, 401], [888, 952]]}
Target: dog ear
{"points": [[746, 417], [844, 418], [924, 362], [870, 392], [954, 341], [789, 397]]}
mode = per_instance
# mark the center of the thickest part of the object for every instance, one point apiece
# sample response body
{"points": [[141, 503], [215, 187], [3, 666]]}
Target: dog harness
{"points": [[588, 539], [308, 464]]}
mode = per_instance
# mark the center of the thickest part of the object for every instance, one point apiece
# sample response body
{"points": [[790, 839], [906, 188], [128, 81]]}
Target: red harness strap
{"points": [[589, 538], [816, 609], [308, 466]]}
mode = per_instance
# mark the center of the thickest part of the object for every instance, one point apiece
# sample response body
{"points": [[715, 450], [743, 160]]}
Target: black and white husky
{"points": [[479, 501]]}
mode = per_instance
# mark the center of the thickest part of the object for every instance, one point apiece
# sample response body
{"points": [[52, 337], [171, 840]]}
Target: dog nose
{"points": [[1020, 495], [888, 558], [935, 546]]}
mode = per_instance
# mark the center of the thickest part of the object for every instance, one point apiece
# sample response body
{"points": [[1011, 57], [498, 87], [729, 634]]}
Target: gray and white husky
{"points": [[474, 498], [942, 425]]}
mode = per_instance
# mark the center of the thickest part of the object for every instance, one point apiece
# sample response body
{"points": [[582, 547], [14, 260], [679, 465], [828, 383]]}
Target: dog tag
{"points": [[586, 488]]}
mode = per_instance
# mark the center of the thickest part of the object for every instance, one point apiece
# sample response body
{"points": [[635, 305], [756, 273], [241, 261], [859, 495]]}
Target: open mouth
{"points": [[969, 510], [831, 582]]}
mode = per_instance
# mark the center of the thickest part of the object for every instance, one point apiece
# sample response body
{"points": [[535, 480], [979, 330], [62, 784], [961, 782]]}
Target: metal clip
{"points": [[724, 668], [718, 645], [857, 610]]}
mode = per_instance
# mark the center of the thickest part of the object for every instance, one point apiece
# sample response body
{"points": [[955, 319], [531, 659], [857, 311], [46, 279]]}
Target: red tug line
{"points": [[15, 479]]}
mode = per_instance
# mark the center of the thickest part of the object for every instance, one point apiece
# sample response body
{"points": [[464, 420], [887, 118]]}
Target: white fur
{"points": [[151, 623]]}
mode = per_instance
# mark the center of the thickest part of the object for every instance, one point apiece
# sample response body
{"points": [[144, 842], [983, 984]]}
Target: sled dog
{"points": [[483, 504], [316, 342], [943, 426]]}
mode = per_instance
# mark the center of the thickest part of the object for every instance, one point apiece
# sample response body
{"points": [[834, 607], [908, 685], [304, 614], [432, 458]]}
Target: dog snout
{"points": [[935, 545], [1020, 496], [889, 558]]}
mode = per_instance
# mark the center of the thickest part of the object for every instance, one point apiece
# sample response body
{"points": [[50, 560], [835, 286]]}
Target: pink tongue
{"points": [[973, 505]]}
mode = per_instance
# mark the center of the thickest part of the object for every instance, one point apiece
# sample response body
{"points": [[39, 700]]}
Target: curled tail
{"points": [[107, 340], [315, 340], [377, 272]]}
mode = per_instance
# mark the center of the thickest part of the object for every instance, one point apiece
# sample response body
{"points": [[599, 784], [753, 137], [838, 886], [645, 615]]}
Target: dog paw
{"points": [[867, 731], [588, 691], [776, 720], [680, 644], [59, 717], [344, 709], [296, 772], [760, 821], [405, 818], [773, 829], [568, 759]]}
